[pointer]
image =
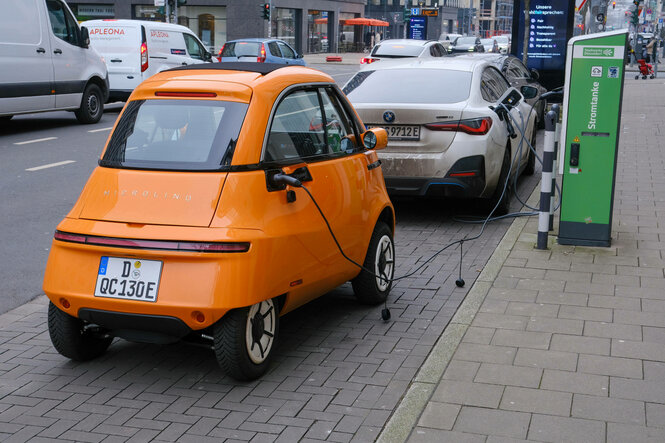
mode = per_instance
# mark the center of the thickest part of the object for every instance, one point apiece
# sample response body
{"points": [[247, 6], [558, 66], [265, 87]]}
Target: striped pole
{"points": [[557, 134], [546, 181]]}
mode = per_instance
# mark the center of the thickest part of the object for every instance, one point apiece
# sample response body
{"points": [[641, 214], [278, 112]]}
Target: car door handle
{"points": [[57, 51], [41, 50], [116, 60], [184, 63]]}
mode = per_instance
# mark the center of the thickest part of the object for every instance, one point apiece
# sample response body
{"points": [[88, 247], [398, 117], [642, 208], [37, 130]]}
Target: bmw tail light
{"points": [[168, 245], [262, 54], [368, 60], [473, 126], [144, 57]]}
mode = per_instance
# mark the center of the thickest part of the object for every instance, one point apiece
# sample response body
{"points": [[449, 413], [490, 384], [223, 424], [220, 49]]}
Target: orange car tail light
{"points": [[474, 126], [185, 94], [262, 55], [168, 245]]}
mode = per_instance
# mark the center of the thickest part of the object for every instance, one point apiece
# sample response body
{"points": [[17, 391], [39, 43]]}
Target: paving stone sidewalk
{"points": [[566, 344]]}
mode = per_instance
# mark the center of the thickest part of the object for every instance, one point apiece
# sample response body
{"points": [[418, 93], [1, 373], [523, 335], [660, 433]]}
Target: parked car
{"points": [[443, 141], [136, 49], [261, 50], [46, 62], [519, 75], [490, 45], [405, 48], [467, 44], [447, 39], [504, 43], [191, 225]]}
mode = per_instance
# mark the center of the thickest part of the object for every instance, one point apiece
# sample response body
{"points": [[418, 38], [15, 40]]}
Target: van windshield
{"points": [[192, 135], [241, 49]]}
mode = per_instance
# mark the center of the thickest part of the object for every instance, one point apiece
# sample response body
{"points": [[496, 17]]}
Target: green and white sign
{"points": [[590, 136]]}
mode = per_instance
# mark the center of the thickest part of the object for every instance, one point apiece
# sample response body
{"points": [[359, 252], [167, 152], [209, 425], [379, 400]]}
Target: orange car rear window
{"points": [[175, 135]]}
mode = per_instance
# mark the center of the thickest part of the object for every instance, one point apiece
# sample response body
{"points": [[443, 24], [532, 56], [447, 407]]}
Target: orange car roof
{"points": [[234, 81]]}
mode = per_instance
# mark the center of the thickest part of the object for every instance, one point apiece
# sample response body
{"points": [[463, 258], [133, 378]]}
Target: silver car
{"points": [[443, 137], [405, 48]]}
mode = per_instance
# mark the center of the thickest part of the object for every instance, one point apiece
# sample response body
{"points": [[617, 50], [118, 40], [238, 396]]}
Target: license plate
{"points": [[128, 278], [401, 132]]}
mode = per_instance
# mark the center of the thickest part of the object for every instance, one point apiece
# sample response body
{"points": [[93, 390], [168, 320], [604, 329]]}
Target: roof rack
{"points": [[260, 68]]}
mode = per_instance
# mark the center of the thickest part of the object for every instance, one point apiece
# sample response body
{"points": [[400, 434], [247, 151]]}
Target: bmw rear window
{"points": [[394, 50], [427, 86], [193, 135], [241, 49]]}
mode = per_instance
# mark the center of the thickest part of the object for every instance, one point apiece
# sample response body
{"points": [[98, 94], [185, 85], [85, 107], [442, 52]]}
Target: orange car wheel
{"points": [[244, 340], [74, 339], [373, 289]]}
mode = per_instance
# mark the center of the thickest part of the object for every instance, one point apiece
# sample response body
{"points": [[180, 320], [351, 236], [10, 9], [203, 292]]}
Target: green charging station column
{"points": [[590, 137]]}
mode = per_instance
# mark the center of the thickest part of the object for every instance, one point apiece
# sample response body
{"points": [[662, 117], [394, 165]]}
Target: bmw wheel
{"points": [[500, 199], [380, 259], [244, 340], [530, 168], [92, 105], [73, 338]]}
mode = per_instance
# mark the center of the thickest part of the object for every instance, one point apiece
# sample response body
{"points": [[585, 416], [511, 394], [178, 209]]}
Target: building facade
{"points": [[309, 26]]}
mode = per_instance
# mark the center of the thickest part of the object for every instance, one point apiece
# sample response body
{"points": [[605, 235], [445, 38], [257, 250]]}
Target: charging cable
{"points": [[282, 178]]}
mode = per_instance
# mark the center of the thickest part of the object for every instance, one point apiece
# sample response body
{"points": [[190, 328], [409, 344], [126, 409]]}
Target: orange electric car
{"points": [[195, 224]]}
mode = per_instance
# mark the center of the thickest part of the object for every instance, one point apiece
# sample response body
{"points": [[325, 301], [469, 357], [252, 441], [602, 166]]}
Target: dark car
{"points": [[467, 44], [519, 75]]}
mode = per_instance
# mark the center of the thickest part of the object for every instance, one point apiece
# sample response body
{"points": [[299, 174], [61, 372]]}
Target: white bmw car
{"points": [[444, 138]]}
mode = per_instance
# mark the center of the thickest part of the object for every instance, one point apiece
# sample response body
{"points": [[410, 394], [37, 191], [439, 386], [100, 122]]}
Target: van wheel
{"points": [[530, 168], [92, 105], [500, 199], [380, 259], [72, 338], [244, 340]]}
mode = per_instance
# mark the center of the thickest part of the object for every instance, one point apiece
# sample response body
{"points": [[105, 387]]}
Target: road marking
{"points": [[50, 165], [100, 130], [36, 140]]}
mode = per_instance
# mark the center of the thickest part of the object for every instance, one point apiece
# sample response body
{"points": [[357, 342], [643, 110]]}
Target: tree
{"points": [[527, 31]]}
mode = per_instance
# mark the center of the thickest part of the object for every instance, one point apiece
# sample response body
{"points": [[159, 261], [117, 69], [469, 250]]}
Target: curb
{"points": [[404, 419]]}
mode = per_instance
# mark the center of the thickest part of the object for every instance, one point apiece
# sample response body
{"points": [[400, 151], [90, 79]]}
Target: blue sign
{"points": [[415, 11], [547, 34], [418, 28]]}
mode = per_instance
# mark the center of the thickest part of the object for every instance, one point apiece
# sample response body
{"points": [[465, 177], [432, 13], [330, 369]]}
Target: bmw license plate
{"points": [[128, 278], [401, 132]]}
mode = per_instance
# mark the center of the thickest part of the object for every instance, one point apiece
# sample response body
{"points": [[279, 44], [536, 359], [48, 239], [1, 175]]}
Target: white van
{"points": [[136, 49], [46, 63]]}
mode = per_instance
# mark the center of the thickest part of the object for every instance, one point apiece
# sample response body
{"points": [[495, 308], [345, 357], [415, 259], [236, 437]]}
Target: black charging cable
{"points": [[286, 179]]}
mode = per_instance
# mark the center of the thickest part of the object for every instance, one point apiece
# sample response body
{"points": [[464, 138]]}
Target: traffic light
{"points": [[266, 11], [635, 16], [407, 14], [614, 5]]}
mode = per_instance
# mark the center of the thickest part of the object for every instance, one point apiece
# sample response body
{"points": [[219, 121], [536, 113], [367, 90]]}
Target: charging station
{"points": [[593, 93]]}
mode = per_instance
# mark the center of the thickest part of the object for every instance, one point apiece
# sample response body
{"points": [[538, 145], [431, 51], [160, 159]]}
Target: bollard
{"points": [[546, 181], [557, 135]]}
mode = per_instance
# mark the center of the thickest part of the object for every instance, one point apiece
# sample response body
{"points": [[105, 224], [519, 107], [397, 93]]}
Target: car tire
{"points": [[92, 105], [500, 199], [244, 340], [530, 168], [369, 288], [72, 338]]}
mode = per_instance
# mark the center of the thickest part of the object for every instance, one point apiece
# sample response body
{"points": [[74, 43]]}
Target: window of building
{"points": [[286, 26], [207, 22], [318, 31]]}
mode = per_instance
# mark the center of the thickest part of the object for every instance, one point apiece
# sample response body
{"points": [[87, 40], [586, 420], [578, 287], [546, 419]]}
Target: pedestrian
{"points": [[649, 49]]}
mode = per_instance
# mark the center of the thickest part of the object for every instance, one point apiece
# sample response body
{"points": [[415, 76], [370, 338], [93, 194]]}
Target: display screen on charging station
{"points": [[550, 26]]}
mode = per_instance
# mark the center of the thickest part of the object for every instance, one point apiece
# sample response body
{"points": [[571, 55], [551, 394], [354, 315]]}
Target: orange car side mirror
{"points": [[375, 138]]}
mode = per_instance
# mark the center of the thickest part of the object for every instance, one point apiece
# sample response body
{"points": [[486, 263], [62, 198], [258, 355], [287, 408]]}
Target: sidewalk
{"points": [[566, 344]]}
